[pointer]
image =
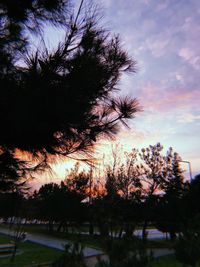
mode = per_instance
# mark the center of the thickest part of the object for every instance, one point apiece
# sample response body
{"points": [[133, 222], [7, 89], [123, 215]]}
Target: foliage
{"points": [[21, 18], [55, 203], [59, 102], [128, 181], [170, 212], [175, 184], [11, 205], [122, 178], [192, 198], [167, 261], [61, 203], [12, 172], [116, 211], [127, 198], [129, 253], [32, 254], [73, 257], [152, 169], [78, 181], [187, 248]]}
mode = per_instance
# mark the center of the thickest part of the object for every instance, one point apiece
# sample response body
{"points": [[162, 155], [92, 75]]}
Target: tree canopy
{"points": [[59, 102]]}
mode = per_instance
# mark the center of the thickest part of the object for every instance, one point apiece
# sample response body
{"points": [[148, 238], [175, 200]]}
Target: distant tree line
{"points": [[146, 189], [149, 188]]}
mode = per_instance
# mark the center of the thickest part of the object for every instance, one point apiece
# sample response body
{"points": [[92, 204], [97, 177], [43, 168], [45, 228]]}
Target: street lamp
{"points": [[190, 169]]}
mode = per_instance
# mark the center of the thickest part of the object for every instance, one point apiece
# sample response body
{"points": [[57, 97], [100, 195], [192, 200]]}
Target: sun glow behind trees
{"points": [[116, 160]]}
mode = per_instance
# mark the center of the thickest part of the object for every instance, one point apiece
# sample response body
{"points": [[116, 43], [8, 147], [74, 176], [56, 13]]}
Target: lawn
{"points": [[167, 261], [31, 254], [34, 253], [84, 239], [94, 241]]}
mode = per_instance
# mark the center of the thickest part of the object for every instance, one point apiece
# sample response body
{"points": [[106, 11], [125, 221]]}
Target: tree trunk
{"points": [[172, 235], [128, 230], [91, 228], [59, 226], [14, 252], [144, 231], [121, 231], [50, 226]]}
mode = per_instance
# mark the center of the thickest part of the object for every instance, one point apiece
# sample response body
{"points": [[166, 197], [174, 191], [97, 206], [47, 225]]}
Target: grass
{"points": [[168, 261], [31, 254], [95, 241], [160, 243], [4, 239], [85, 240], [34, 253]]}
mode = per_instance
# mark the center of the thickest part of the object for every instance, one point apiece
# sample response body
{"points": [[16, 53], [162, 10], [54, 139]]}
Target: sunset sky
{"points": [[164, 38]]}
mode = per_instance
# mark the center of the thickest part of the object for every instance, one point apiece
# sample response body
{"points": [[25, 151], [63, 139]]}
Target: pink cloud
{"points": [[161, 6], [186, 53], [190, 56], [157, 46], [162, 99]]}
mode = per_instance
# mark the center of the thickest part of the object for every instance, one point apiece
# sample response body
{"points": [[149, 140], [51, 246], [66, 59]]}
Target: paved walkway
{"points": [[53, 242], [152, 233], [89, 253]]}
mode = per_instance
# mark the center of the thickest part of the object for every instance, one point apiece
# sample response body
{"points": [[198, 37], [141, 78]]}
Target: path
{"points": [[53, 242], [89, 253], [152, 233]]}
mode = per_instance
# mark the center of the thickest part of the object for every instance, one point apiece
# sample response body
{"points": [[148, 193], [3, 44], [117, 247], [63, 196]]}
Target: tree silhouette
{"points": [[115, 211], [59, 102], [174, 191], [169, 210], [60, 204], [12, 172], [78, 182], [20, 17], [152, 169], [153, 175], [192, 198], [128, 176], [187, 247]]}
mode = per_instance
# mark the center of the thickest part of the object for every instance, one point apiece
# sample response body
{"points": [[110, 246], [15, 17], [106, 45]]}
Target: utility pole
{"points": [[91, 180], [189, 165], [91, 226]]}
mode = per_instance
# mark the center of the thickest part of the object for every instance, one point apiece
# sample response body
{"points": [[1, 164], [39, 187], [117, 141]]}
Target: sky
{"points": [[163, 36]]}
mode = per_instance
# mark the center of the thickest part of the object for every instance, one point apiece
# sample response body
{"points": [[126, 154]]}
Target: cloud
{"points": [[163, 36], [190, 56], [106, 3], [157, 45], [161, 6], [186, 53], [160, 98], [179, 77], [188, 118]]}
